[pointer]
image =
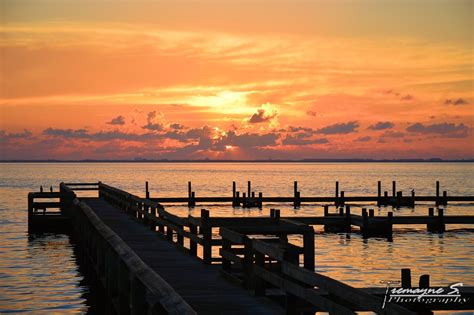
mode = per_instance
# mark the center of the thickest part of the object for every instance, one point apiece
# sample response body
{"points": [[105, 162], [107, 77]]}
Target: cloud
{"points": [[459, 101], [99, 136], [363, 139], [264, 114], [382, 125], [66, 133], [152, 123], [341, 128], [311, 113], [296, 140], [119, 120], [176, 126], [296, 129], [246, 140], [20, 135], [449, 130]]}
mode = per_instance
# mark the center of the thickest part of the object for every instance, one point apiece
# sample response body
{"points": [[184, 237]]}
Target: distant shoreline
{"points": [[248, 161]]}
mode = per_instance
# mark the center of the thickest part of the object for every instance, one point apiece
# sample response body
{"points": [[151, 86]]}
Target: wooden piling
{"points": [[341, 199], [431, 226], [296, 194], [326, 210], [394, 188], [249, 188], [371, 213], [192, 200], [389, 225], [406, 278], [260, 200], [365, 223], [379, 193], [348, 219], [441, 225], [424, 281], [147, 191]]}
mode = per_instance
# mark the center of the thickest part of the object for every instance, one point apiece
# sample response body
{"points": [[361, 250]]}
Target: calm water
{"points": [[39, 274]]}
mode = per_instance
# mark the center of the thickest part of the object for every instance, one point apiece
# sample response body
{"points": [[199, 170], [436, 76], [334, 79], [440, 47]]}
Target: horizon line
{"points": [[139, 160]]}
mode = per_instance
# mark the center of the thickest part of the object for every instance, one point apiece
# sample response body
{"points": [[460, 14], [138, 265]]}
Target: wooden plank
{"points": [[234, 237], [42, 205], [232, 257], [270, 250]]}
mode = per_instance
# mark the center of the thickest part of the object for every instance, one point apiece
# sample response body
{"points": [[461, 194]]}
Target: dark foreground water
{"points": [[39, 273]]}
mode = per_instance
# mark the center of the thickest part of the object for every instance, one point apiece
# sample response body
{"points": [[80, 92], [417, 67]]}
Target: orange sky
{"points": [[236, 79]]}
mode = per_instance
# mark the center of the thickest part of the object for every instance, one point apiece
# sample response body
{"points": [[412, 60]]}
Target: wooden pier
{"points": [[151, 261], [252, 198]]}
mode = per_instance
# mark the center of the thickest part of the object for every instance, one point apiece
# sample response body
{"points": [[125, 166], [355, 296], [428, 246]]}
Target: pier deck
{"points": [[201, 286]]}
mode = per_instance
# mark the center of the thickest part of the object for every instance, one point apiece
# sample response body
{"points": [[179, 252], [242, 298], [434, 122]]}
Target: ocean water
{"points": [[40, 274]]}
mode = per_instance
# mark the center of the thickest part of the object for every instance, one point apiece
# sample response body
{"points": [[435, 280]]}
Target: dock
{"points": [[150, 261], [252, 198]]}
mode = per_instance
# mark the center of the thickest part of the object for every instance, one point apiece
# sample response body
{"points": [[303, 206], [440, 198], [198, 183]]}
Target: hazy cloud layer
{"points": [[450, 130]]}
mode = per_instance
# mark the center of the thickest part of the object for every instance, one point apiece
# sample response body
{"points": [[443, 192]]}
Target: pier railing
{"points": [[132, 286], [262, 263]]}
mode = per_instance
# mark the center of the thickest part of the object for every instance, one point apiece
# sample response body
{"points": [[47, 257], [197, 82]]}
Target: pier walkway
{"points": [[201, 286]]}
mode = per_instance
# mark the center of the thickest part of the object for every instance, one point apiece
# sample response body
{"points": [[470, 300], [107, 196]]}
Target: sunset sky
{"points": [[241, 79]]}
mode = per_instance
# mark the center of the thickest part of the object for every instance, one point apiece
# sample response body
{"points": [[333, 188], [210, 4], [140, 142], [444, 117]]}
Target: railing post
{"points": [[192, 243], [259, 282], [206, 231], [179, 235], [293, 258], [248, 262], [308, 248], [227, 247]]}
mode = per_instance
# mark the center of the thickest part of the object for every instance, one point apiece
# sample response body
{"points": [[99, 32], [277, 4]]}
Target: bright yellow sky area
{"points": [[236, 79]]}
